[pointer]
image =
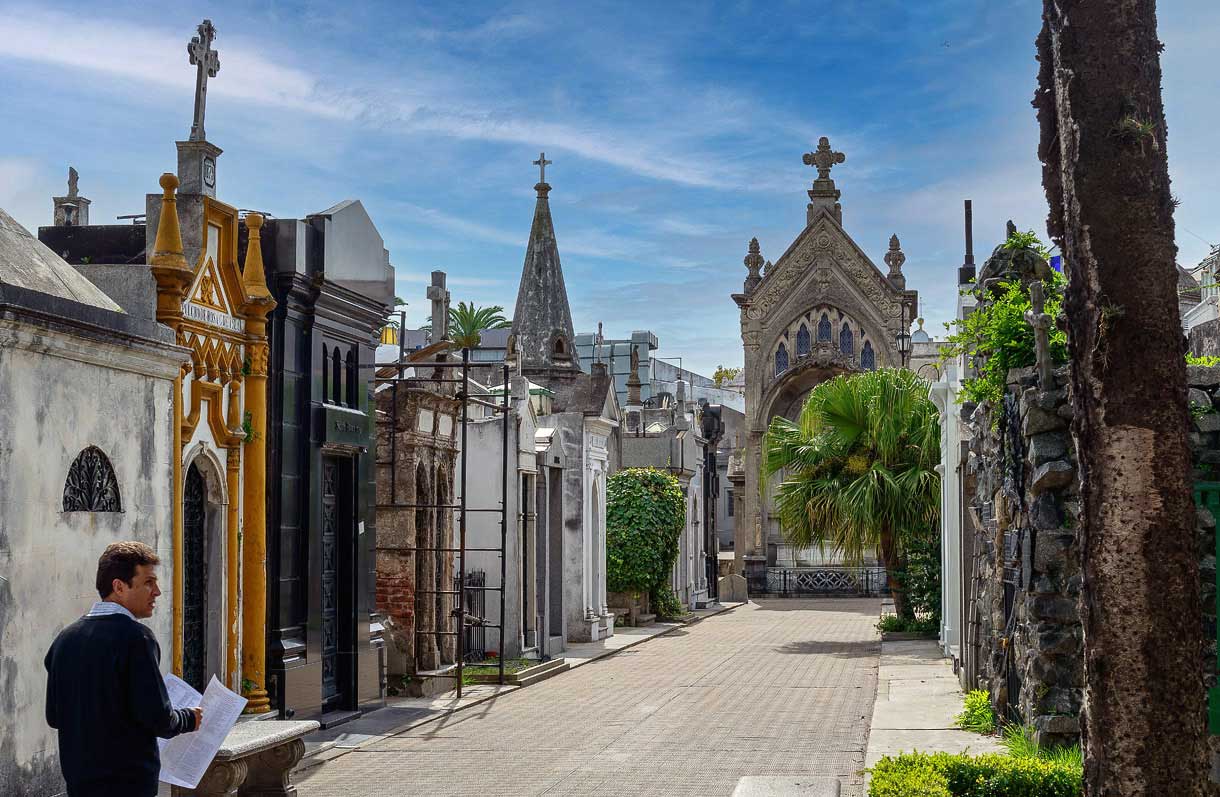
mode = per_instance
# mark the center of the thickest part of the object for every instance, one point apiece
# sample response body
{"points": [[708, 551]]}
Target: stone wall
{"points": [[1023, 496], [1022, 492]]}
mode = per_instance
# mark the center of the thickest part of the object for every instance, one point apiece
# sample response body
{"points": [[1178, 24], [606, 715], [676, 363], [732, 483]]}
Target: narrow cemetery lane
{"points": [[784, 687]]}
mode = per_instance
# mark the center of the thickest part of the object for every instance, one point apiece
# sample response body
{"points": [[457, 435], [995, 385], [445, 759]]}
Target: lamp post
{"points": [[903, 338]]}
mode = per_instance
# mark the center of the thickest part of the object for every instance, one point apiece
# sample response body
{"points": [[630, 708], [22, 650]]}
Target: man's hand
{"points": [[198, 717]]}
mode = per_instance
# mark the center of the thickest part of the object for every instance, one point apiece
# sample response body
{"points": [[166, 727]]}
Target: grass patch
{"points": [[976, 713], [492, 668], [1019, 741]]}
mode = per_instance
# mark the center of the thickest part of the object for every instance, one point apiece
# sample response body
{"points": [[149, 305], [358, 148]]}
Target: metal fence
{"points": [[829, 580], [475, 601]]}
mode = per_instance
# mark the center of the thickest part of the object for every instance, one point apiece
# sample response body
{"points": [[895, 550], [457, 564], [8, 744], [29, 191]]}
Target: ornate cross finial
{"points": [[542, 163], [72, 179], [207, 63], [823, 158], [894, 258], [1041, 322]]}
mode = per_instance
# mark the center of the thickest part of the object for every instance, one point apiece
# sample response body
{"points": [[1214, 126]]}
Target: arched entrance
{"points": [[195, 580]]}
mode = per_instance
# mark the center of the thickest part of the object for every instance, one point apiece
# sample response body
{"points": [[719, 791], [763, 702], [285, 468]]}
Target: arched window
{"points": [[781, 359], [325, 373], [336, 377], [824, 329], [802, 341], [868, 359], [559, 347], [847, 343], [352, 398], [91, 486]]}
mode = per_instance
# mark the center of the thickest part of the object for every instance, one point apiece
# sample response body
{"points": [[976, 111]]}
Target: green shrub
{"points": [[645, 514], [920, 576], [922, 625], [976, 713], [1205, 359], [991, 775], [665, 604]]}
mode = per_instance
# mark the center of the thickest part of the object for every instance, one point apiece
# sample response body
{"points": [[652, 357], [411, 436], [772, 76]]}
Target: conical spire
{"points": [[542, 321]]}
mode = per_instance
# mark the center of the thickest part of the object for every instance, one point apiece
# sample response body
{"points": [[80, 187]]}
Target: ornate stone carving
{"points": [[91, 485], [270, 769], [894, 258], [753, 262]]}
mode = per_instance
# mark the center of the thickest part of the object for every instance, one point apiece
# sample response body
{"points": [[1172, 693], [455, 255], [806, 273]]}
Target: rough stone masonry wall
{"points": [[1023, 492], [1022, 472]]}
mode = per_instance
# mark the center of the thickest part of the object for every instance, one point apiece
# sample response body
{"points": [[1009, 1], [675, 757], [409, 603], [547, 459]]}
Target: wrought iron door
{"points": [[330, 594], [195, 580]]}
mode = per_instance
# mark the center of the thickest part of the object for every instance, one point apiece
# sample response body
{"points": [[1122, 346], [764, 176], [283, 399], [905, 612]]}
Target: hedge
{"points": [[990, 775], [645, 515]]}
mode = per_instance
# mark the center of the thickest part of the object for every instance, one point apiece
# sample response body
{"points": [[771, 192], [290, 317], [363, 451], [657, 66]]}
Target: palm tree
{"points": [[859, 468], [466, 322]]}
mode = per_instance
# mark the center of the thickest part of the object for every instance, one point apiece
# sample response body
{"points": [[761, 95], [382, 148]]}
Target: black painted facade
{"points": [[324, 650]]}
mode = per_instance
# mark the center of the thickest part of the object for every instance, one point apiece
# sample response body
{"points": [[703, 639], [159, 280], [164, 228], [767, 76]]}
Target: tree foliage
{"points": [[858, 469], [466, 321], [723, 375], [995, 336], [645, 515]]}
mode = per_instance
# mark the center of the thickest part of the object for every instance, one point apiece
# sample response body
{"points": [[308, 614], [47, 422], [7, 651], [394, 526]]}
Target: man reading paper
{"points": [[105, 694]]}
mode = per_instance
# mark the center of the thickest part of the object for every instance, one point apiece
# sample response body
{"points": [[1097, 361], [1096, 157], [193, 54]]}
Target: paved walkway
{"points": [[917, 698], [784, 687]]}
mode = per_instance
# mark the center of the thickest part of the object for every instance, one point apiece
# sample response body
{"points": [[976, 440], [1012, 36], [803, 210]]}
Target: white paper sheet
{"points": [[185, 758]]}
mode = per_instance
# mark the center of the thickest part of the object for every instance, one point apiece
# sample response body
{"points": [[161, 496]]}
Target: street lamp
{"points": [[903, 338]]}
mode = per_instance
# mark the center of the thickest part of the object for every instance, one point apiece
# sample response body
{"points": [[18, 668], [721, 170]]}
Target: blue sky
{"points": [[676, 131]]}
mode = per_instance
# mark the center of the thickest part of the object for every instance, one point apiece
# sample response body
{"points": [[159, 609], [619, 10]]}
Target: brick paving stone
{"points": [[781, 687]]}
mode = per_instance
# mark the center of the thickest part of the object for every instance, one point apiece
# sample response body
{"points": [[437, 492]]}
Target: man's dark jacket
{"points": [[106, 696]]}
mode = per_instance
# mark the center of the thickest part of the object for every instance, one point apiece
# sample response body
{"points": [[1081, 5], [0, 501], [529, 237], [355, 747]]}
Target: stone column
{"points": [[254, 484], [232, 548]]}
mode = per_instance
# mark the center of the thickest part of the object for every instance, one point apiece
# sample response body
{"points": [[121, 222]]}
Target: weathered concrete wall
{"points": [[60, 394]]}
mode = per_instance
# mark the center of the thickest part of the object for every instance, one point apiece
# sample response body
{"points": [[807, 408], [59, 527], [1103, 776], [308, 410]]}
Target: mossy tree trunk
{"points": [[1105, 171]]}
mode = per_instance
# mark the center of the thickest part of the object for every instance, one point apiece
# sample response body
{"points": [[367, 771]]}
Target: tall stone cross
{"points": [[440, 306], [542, 163], [207, 63], [823, 158], [1041, 321]]}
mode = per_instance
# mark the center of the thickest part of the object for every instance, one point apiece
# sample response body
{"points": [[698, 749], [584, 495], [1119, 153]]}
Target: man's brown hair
{"points": [[119, 560]]}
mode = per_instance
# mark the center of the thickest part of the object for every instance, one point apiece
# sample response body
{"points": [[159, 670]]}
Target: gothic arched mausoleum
{"points": [[822, 309]]}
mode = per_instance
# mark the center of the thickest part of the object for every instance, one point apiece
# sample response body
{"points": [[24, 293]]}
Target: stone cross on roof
{"points": [[823, 158], [542, 163], [207, 62]]}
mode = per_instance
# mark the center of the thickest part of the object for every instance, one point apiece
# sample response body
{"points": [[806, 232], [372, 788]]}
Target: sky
{"points": [[676, 132]]}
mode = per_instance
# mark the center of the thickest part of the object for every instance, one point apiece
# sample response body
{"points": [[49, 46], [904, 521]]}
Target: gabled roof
{"points": [[26, 262]]}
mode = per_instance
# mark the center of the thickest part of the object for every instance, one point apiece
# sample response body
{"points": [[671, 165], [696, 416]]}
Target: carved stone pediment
{"points": [[818, 254]]}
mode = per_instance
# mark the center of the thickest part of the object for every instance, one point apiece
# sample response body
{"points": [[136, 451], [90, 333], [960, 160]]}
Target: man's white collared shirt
{"points": [[103, 608]]}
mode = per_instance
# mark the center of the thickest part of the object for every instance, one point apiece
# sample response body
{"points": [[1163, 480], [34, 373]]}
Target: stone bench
{"points": [[255, 760]]}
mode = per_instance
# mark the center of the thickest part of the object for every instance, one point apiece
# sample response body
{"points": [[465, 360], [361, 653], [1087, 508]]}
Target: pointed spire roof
{"points": [[542, 336]]}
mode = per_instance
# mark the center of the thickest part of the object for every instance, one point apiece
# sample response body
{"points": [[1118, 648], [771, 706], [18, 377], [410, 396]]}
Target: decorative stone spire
{"points": [[754, 262], [542, 320], [168, 263], [823, 194], [254, 277], [894, 259], [71, 210], [633, 381]]}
